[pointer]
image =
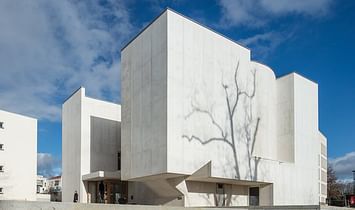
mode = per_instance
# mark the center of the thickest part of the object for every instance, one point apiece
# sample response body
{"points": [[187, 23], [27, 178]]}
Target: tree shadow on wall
{"points": [[233, 135]]}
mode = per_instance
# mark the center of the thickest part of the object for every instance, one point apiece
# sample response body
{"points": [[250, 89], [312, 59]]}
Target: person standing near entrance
{"points": [[76, 196], [101, 191]]}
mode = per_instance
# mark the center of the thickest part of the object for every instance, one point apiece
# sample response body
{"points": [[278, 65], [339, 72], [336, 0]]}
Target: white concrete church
{"points": [[200, 124]]}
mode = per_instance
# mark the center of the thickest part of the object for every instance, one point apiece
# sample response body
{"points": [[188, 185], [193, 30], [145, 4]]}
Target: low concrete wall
{"points": [[43, 197], [33, 205], [335, 208]]}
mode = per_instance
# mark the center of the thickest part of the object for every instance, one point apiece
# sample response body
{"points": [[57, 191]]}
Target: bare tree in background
{"points": [[334, 188], [228, 135]]}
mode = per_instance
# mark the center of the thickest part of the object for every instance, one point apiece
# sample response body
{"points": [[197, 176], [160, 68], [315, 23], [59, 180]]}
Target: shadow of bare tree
{"points": [[230, 135]]}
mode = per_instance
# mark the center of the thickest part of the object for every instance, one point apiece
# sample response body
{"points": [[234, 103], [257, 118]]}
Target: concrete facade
{"points": [[206, 124], [202, 125], [90, 141], [18, 157]]}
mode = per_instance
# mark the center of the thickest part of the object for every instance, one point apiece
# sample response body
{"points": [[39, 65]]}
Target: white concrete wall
{"points": [[199, 62], [323, 166], [144, 104], [18, 157], [274, 139], [204, 194], [71, 141], [299, 176], [104, 144], [285, 119], [77, 113]]}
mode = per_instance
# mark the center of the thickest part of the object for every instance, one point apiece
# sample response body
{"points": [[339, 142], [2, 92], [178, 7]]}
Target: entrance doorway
{"points": [[220, 195], [108, 191], [254, 196]]}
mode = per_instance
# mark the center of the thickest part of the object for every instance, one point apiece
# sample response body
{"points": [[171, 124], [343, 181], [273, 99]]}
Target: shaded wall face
{"points": [[144, 110], [71, 147], [105, 142]]}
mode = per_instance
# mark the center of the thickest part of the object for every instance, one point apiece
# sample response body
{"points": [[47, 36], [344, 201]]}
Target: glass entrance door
{"points": [[108, 191]]}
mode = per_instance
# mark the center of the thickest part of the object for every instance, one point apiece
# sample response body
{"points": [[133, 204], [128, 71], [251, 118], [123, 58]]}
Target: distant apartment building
{"points": [[18, 157], [54, 183], [55, 188], [42, 184], [201, 125], [49, 189]]}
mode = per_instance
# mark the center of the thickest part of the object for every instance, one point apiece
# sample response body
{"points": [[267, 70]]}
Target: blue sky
{"points": [[50, 48]]}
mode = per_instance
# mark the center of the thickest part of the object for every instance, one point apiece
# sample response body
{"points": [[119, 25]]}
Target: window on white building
{"points": [[1, 191], [2, 125], [1, 146], [1, 168]]}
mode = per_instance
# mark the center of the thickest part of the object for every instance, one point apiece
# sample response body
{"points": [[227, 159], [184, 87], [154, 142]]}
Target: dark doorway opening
{"points": [[254, 196]]}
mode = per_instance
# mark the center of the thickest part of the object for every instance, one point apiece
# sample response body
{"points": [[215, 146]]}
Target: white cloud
{"points": [[50, 48], [344, 165], [264, 44], [255, 13], [47, 165], [307, 7]]}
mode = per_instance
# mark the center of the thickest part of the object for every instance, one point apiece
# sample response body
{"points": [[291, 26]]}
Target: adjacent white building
{"points": [[18, 157], [91, 146], [202, 125]]}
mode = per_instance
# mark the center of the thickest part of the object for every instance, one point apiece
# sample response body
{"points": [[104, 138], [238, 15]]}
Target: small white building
{"points": [[18, 157], [42, 184], [202, 125]]}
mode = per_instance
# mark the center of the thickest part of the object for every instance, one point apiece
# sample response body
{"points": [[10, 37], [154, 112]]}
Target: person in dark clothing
{"points": [[101, 191], [76, 196]]}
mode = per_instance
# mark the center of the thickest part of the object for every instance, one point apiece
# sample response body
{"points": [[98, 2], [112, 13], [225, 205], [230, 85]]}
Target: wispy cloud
{"points": [[49, 48], [48, 165], [264, 44], [344, 165], [256, 13]]}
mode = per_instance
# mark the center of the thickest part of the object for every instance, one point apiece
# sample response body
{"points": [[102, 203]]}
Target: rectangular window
{"points": [[2, 125], [323, 150], [324, 176], [324, 163], [1, 191], [1, 146], [1, 168], [119, 161]]}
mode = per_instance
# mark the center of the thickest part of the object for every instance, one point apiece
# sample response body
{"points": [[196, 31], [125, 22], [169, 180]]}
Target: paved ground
{"points": [[31, 205]]}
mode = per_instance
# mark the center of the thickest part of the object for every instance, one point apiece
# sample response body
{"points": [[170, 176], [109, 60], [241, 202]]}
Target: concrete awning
{"points": [[204, 175], [102, 175]]}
